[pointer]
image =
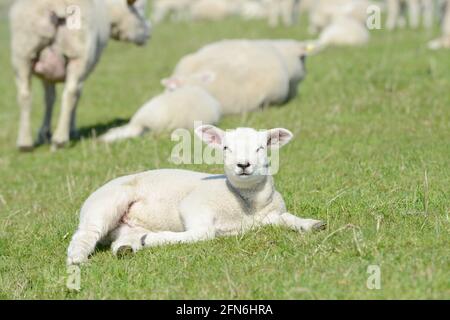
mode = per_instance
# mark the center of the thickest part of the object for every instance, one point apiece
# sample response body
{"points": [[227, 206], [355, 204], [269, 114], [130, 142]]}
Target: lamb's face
{"points": [[128, 21], [245, 150]]}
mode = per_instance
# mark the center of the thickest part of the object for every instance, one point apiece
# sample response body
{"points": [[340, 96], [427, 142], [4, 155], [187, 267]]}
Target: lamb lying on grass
{"points": [[323, 12], [343, 31], [176, 206], [179, 108], [248, 73]]}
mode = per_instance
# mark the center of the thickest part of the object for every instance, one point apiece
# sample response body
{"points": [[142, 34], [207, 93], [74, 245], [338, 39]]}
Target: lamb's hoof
{"points": [[58, 146], [44, 137], [321, 225], [25, 148], [124, 251]]}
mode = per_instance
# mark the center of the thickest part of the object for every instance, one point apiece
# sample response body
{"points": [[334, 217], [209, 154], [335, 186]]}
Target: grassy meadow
{"points": [[371, 157]]}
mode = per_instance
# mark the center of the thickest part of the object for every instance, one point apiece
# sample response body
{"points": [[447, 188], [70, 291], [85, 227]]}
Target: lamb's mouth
{"points": [[244, 174]]}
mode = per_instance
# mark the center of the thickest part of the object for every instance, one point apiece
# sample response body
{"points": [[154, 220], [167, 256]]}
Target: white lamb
{"points": [[61, 41], [323, 12], [248, 75], [161, 207], [343, 31], [444, 40], [179, 108]]}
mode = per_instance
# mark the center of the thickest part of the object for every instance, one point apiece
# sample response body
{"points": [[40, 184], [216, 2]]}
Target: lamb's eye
{"points": [[259, 149], [226, 148]]}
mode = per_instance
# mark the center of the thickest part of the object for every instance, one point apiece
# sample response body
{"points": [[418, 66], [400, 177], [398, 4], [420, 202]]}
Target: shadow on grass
{"points": [[98, 129], [88, 132]]}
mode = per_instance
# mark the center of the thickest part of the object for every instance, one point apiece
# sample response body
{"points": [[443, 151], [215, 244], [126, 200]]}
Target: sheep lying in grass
{"points": [[176, 206], [343, 31], [444, 40], [248, 74], [168, 111], [323, 12], [294, 54], [50, 39]]}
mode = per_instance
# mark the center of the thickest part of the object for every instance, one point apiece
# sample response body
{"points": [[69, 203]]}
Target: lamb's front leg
{"points": [[290, 221]]}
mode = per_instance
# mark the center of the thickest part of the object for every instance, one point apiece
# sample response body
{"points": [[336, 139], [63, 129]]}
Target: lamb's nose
{"points": [[243, 166]]}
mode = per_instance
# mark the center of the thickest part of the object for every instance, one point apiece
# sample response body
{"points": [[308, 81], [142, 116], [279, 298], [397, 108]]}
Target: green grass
{"points": [[372, 148]]}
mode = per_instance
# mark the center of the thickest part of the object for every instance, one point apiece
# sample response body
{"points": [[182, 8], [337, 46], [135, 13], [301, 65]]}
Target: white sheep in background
{"points": [[252, 9], [285, 10], [323, 12], [179, 9], [46, 42], [294, 54], [213, 10], [343, 31], [179, 108], [444, 40], [248, 75], [414, 10], [169, 206]]}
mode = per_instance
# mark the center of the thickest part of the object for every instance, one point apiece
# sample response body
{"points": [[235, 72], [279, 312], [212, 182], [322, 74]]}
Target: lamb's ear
{"points": [[211, 135], [276, 138], [171, 83]]}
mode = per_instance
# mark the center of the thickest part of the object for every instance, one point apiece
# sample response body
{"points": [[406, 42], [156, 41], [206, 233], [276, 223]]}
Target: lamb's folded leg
{"points": [[293, 222], [127, 239]]}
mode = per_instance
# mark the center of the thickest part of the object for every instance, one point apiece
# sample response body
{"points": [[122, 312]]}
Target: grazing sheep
{"points": [[414, 9], [179, 108], [285, 10], [248, 75], [444, 40], [48, 43], [161, 207]]}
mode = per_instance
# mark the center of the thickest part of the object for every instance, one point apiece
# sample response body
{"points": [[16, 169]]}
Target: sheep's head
{"points": [[128, 21], [245, 150]]}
